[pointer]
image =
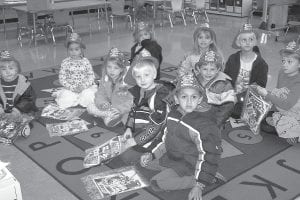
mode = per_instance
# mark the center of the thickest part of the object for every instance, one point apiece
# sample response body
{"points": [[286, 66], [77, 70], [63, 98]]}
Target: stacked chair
{"points": [[118, 10], [196, 8], [174, 8]]}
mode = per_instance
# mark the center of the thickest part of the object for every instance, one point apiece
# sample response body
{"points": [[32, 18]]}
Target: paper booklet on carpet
{"points": [[254, 110], [67, 128], [54, 112], [103, 153], [114, 182]]}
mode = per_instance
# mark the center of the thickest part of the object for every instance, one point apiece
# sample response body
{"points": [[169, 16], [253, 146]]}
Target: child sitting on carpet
{"points": [[17, 97], [148, 115], [144, 41], [286, 96], [76, 75], [189, 152], [204, 40], [246, 66], [112, 100], [219, 92]]}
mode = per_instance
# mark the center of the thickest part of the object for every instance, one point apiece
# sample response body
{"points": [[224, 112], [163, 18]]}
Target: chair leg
{"points": [[170, 19], [195, 17], [20, 37], [71, 28], [43, 34], [130, 21], [32, 37], [183, 17], [112, 22], [206, 17], [287, 29], [52, 35]]}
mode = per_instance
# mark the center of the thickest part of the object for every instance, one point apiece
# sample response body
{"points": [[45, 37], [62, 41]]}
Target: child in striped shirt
{"points": [[16, 93]]}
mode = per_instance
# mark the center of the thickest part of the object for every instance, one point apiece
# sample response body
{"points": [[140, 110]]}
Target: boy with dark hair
{"points": [[190, 149]]}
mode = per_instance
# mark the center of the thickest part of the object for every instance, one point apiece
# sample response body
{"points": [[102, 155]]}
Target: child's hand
{"points": [[127, 134], [126, 144], [15, 112], [261, 91], [1, 110], [195, 193], [145, 159]]}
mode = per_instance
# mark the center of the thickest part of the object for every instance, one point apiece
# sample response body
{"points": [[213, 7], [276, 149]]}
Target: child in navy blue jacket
{"points": [[246, 66], [189, 151]]}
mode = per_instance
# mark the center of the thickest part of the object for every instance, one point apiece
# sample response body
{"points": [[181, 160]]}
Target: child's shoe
{"points": [[293, 141], [113, 118], [25, 132]]}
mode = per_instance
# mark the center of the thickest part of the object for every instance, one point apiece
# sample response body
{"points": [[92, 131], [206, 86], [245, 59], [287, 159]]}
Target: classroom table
{"points": [[5, 5], [67, 5]]}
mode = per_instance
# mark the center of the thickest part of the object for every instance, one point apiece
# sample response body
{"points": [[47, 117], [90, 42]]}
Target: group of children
{"points": [[175, 129]]}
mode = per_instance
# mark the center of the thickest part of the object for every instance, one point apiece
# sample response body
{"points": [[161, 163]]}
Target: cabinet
{"points": [[238, 8]]}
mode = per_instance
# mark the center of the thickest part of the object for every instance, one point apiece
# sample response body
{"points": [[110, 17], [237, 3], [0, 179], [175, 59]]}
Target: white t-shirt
{"points": [[243, 78]]}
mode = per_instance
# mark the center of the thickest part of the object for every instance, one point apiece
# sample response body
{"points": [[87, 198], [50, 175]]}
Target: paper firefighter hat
{"points": [[246, 28], [145, 55], [210, 57], [188, 81], [75, 38], [7, 56], [115, 53], [292, 48]]}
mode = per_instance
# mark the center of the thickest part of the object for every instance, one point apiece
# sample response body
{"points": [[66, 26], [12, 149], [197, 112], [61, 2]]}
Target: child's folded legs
{"points": [[87, 96], [168, 179], [66, 98]]}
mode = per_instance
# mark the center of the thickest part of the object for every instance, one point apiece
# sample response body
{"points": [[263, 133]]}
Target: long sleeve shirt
{"points": [[287, 93]]}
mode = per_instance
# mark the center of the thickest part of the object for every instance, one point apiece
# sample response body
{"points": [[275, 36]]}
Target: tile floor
{"points": [[175, 43]]}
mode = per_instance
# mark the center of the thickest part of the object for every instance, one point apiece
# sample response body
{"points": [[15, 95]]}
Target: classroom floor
{"points": [[175, 43]]}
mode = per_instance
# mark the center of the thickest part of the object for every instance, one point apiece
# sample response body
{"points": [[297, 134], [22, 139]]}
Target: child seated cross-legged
{"points": [[17, 97], [148, 115], [286, 96], [76, 75], [219, 92], [246, 66], [112, 101], [190, 149]]}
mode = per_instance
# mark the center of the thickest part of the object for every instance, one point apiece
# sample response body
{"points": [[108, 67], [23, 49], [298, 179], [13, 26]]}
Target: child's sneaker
{"points": [[293, 141], [25, 132], [112, 119]]}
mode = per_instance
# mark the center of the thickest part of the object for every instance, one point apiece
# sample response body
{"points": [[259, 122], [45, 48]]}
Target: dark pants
{"points": [[264, 126], [238, 107]]}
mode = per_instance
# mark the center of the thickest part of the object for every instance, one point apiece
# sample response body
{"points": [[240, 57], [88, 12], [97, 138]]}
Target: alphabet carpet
{"points": [[257, 167]]}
